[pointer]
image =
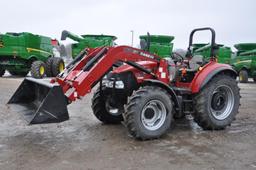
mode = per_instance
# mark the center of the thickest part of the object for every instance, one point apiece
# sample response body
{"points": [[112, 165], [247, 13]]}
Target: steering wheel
{"points": [[177, 57]]}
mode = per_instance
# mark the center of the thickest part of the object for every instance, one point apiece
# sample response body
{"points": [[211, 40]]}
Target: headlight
{"points": [[118, 85], [109, 84]]}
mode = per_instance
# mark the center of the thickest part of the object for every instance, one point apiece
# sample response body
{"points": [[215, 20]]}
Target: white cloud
{"points": [[232, 19]]}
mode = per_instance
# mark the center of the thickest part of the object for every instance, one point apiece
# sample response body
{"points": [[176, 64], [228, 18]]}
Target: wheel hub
{"points": [[149, 113], [218, 101], [153, 115], [41, 70], [222, 102], [61, 67]]}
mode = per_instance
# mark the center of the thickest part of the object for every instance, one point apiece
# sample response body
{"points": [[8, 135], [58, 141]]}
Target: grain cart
{"points": [[160, 45], [146, 92], [87, 41], [224, 53], [244, 61]]}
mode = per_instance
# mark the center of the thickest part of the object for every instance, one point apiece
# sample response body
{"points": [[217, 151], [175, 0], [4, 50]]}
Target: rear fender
{"points": [[32, 58], [208, 72]]}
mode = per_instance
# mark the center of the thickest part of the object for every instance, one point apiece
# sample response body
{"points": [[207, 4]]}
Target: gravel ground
{"points": [[85, 143]]}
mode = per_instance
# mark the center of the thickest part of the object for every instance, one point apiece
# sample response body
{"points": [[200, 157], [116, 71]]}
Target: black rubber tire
{"points": [[254, 79], [15, 73], [35, 69], [48, 66], [100, 111], [203, 115], [243, 76], [134, 108], [2, 71], [56, 61]]}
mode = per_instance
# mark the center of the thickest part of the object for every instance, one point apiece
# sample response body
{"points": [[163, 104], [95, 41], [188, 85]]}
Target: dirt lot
{"points": [[84, 143]]}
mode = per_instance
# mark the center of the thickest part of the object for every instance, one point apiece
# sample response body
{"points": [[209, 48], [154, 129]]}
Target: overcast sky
{"points": [[233, 20]]}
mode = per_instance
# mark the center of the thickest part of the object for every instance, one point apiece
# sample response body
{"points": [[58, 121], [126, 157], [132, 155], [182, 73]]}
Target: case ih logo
{"points": [[146, 55], [139, 52]]}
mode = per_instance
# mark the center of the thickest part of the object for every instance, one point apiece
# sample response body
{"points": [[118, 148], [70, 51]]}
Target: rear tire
{"points": [[99, 107], [48, 66], [216, 105], [254, 78], [2, 71], [243, 76], [148, 113], [38, 69], [57, 66]]}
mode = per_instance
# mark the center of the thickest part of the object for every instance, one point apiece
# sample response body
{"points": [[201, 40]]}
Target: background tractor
{"points": [[146, 92], [224, 53], [244, 61], [24, 52]]}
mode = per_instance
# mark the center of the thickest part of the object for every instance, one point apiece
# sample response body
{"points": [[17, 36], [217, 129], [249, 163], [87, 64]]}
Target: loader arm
{"points": [[42, 102], [92, 68]]}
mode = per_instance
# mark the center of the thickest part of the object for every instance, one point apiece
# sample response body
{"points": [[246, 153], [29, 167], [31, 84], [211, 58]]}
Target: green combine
{"points": [[224, 53], [244, 61], [87, 41], [24, 52]]}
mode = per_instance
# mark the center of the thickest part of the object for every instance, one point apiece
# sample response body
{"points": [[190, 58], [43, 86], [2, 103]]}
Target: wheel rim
{"points": [[41, 70], [222, 102], [240, 77], [153, 115], [61, 67]]}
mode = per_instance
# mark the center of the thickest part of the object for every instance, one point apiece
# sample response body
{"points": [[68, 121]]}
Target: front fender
{"points": [[169, 89], [208, 72]]}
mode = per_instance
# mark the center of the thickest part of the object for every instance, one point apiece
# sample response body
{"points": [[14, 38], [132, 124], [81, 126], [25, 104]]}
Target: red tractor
{"points": [[146, 92]]}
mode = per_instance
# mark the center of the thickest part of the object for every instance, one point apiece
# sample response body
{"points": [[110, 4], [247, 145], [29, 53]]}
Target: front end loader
{"points": [[146, 92]]}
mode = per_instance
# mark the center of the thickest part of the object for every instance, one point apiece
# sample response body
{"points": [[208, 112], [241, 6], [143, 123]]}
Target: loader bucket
{"points": [[40, 102]]}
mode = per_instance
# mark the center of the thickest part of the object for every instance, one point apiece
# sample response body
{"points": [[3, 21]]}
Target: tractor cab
{"points": [[188, 63]]}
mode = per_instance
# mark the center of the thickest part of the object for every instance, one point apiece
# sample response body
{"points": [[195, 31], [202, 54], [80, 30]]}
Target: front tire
{"points": [[216, 105], [48, 67], [148, 113], [254, 78], [57, 66], [2, 71], [104, 110], [243, 76], [38, 69]]}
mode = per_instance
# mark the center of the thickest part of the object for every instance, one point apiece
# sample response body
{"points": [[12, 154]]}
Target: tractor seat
{"points": [[196, 62]]}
